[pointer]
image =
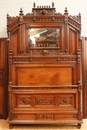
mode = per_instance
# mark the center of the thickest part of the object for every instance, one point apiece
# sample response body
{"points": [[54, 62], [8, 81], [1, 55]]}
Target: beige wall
{"points": [[13, 6]]}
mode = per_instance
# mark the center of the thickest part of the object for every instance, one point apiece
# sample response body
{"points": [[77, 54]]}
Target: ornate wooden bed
{"points": [[44, 58]]}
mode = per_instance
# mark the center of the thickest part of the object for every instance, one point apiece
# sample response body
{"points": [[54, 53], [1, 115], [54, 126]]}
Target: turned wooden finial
{"points": [[7, 15], [66, 11], [52, 4], [21, 11], [34, 4], [79, 14]]}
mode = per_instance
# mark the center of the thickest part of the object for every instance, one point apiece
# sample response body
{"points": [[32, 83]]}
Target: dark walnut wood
{"points": [[84, 75], [3, 78], [44, 59]]}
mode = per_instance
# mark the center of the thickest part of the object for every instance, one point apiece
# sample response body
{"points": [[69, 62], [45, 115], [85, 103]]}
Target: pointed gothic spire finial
{"points": [[80, 17]]}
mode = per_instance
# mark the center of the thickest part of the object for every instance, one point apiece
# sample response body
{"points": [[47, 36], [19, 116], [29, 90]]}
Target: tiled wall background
{"points": [[12, 7]]}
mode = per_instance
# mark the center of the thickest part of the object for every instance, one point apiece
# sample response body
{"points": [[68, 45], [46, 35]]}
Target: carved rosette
{"points": [[65, 101], [45, 117], [24, 101]]}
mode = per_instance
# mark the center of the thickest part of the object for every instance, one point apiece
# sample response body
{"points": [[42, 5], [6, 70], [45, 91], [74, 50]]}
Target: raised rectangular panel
{"points": [[40, 75]]}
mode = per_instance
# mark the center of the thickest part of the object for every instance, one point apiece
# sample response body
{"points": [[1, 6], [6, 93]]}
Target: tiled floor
{"points": [[4, 126]]}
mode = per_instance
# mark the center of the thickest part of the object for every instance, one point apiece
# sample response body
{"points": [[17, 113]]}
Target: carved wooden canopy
{"points": [[43, 14]]}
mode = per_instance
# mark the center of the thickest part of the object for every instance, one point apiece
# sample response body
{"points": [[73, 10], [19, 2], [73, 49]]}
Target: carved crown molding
{"points": [[49, 15]]}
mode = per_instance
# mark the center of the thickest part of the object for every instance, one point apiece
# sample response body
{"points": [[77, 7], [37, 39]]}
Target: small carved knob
{"points": [[44, 52], [24, 101]]}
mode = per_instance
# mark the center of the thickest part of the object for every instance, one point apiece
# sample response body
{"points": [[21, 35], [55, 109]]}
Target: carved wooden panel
{"points": [[45, 101], [59, 99], [22, 101], [84, 75], [45, 52], [3, 78], [68, 100]]}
